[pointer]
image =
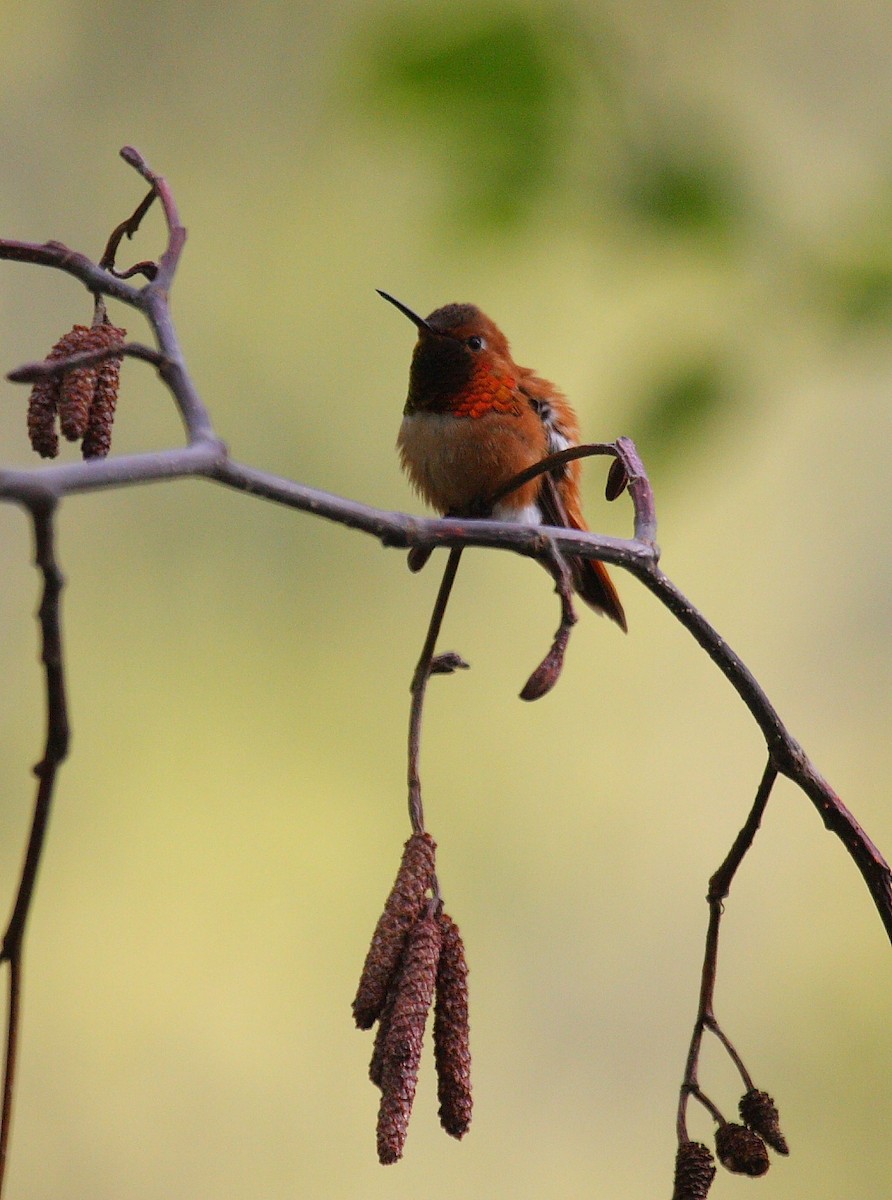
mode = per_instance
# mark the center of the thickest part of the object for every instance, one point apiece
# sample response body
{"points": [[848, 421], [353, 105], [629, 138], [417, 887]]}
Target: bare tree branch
{"points": [[204, 455]]}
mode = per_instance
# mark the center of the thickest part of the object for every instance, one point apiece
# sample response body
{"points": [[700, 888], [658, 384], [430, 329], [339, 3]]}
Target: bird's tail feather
{"points": [[590, 578]]}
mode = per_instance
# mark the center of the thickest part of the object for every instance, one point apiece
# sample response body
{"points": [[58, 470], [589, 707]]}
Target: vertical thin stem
{"points": [[419, 687], [55, 750], [11, 1057], [719, 886]]}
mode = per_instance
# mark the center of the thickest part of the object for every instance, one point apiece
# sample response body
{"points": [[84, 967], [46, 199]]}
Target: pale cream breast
{"points": [[456, 463]]}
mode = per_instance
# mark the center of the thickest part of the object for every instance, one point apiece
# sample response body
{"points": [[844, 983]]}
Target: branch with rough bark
{"points": [[420, 961]]}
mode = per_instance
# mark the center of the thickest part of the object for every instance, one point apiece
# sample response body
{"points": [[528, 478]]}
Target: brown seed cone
{"points": [[97, 437], [75, 341], [758, 1111], [401, 911], [382, 1033], [42, 407], [694, 1171], [75, 387], [81, 386], [452, 1050], [401, 1052], [741, 1150], [75, 398]]}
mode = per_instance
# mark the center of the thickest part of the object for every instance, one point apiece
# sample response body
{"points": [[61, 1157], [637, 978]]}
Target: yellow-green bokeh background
{"points": [[680, 212]]}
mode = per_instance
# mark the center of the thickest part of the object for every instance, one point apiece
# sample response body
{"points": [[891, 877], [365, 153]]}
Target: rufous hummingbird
{"points": [[474, 419]]}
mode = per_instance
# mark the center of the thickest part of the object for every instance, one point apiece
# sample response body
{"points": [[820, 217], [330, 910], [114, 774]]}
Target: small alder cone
{"points": [[400, 1052], [758, 1111], [741, 1150], [76, 391], [43, 403], [452, 1051], [694, 1171], [97, 436], [379, 1049], [402, 910]]}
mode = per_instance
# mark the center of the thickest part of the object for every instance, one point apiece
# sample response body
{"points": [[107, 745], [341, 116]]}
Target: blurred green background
{"points": [[682, 213]]}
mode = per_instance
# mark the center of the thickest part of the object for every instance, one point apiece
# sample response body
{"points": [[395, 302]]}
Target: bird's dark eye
{"points": [[476, 342]]}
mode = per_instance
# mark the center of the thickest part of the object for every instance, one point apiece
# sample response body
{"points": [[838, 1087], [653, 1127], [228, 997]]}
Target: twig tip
{"points": [[132, 157]]}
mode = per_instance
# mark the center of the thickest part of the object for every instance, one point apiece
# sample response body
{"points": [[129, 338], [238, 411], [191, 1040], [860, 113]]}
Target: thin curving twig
{"points": [[426, 667], [719, 886]]}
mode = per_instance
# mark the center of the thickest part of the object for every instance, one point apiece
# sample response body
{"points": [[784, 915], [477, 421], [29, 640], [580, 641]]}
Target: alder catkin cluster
{"points": [[416, 959], [742, 1149], [81, 401]]}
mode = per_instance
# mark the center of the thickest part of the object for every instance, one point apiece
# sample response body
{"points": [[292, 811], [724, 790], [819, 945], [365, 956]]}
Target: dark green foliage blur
{"points": [[679, 412], [861, 291], [684, 190], [493, 95]]}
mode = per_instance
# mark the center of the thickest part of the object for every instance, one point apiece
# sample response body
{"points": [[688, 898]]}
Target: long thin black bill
{"points": [[407, 312]]}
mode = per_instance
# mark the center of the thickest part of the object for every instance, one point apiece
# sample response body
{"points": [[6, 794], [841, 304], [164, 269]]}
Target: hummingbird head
{"points": [[458, 348]]}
